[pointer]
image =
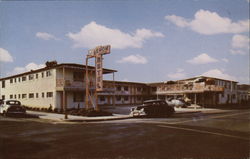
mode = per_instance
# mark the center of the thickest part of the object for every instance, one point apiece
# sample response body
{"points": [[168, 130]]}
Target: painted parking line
{"points": [[205, 132], [216, 117]]}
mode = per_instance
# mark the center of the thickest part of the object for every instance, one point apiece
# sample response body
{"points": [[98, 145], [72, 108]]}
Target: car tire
{"points": [[4, 113]]}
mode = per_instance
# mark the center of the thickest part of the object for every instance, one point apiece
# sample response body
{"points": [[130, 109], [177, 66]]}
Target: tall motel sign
{"points": [[96, 53]]}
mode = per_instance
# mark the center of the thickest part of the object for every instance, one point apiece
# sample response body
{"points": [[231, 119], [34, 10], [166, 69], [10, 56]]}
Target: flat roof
{"points": [[65, 65]]}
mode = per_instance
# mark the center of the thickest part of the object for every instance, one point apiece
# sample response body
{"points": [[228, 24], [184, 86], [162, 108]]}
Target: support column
{"points": [[195, 100], [113, 99], [87, 86], [64, 97]]}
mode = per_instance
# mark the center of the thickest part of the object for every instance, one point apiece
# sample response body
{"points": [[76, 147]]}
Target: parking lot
{"points": [[212, 134]]}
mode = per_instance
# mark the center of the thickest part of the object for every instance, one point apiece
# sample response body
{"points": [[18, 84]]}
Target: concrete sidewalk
{"points": [[74, 118], [60, 117]]}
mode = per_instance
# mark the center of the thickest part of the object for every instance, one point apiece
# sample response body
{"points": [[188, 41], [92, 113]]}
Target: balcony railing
{"points": [[188, 88], [69, 84]]}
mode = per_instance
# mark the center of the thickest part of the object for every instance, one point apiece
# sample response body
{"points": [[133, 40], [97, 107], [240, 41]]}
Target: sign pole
{"points": [[97, 53], [87, 85]]}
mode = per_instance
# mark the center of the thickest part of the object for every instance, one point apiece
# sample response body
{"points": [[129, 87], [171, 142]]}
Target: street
{"points": [[218, 134]]}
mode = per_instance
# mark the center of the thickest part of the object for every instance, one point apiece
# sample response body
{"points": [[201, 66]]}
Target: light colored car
{"points": [[11, 107]]}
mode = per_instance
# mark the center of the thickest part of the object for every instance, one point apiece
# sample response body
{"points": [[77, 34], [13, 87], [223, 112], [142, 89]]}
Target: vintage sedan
{"points": [[12, 107], [153, 108]]}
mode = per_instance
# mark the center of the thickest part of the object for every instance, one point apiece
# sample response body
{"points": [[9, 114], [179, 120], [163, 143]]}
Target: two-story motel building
{"points": [[64, 84]]}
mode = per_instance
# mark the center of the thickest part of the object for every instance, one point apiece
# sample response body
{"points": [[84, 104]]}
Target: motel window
{"points": [[3, 97], [118, 98], [37, 76], [19, 96], [31, 77], [78, 97], [43, 95], [49, 94], [222, 95], [102, 98], [126, 88], [24, 96], [15, 96], [119, 88], [138, 98], [3, 84], [126, 98], [11, 96], [42, 74], [31, 95], [48, 73], [37, 95], [139, 89], [11, 80], [233, 96], [154, 89], [19, 79], [78, 76], [15, 80], [24, 78]]}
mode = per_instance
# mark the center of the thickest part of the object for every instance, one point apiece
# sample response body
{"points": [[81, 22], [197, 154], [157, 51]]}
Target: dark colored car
{"points": [[153, 108], [12, 107]]}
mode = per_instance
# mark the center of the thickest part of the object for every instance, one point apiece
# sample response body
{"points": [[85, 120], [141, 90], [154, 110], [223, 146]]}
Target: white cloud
{"points": [[240, 44], [179, 74], [225, 60], [179, 21], [5, 56], [202, 59], [92, 35], [134, 59], [28, 67], [237, 52], [217, 73], [240, 41], [209, 23], [45, 36]]}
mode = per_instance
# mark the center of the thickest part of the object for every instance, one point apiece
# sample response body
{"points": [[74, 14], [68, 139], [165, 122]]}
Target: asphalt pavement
{"points": [[205, 134]]}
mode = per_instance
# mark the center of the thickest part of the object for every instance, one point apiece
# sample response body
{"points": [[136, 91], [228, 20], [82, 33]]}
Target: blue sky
{"points": [[151, 41]]}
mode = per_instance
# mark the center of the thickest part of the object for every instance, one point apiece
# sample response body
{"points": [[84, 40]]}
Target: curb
{"points": [[93, 120]]}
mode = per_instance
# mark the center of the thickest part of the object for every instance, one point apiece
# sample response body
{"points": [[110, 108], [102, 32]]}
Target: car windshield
{"points": [[13, 102]]}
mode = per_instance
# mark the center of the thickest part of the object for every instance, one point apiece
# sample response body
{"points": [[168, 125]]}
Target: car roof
{"points": [[154, 100]]}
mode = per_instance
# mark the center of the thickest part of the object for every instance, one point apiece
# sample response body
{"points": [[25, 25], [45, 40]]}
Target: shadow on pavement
{"points": [[22, 116]]}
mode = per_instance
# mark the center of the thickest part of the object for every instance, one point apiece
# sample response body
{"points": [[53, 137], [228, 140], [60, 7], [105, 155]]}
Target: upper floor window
{"points": [[48, 73], [24, 96], [3, 84], [42, 74], [102, 98], [126, 88], [31, 95], [78, 76], [31, 77], [49, 94], [11, 80], [37, 76], [118, 88], [24, 78]]}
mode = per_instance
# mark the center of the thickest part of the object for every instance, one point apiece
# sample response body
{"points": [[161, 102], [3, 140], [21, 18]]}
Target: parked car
{"points": [[178, 103], [12, 107], [153, 108]]}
